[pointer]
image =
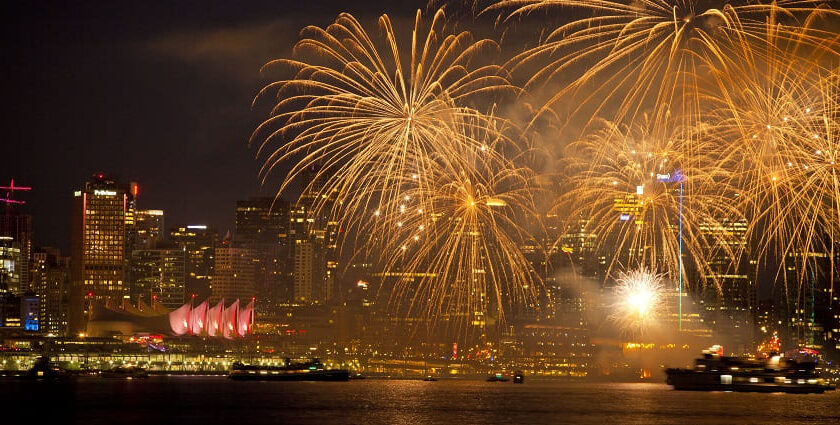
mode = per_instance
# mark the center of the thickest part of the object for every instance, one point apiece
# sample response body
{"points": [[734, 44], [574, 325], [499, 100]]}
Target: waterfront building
{"points": [[548, 350], [98, 247]]}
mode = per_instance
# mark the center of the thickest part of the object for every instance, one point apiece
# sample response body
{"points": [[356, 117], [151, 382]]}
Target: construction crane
{"points": [[10, 191]]}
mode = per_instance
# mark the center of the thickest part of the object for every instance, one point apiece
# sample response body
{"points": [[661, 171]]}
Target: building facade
{"points": [[98, 247]]}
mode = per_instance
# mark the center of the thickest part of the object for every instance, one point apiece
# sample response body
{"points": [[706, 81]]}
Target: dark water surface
{"points": [[211, 400]]}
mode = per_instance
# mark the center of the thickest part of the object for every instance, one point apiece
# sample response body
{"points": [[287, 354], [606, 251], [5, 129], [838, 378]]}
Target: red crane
{"points": [[10, 190]]}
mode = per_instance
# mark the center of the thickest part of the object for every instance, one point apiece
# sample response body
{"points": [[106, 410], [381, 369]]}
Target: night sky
{"points": [[153, 92]]}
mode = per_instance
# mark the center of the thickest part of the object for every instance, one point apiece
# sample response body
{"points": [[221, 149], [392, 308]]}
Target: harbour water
{"points": [[211, 400]]}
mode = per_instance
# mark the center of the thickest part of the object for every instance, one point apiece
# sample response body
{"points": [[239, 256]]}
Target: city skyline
{"points": [[198, 194], [128, 72]]}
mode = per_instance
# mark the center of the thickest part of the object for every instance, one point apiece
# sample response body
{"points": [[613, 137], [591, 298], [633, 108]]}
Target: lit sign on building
{"points": [[197, 226], [624, 217], [676, 177], [98, 192], [640, 189], [77, 193]]}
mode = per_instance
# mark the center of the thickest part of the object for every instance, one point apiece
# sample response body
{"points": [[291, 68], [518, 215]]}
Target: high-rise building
{"points": [[261, 219], [233, 276], [51, 281], [199, 243], [262, 226], [10, 264], [158, 275], [303, 271], [17, 226], [147, 231], [10, 260], [98, 247], [730, 305]]}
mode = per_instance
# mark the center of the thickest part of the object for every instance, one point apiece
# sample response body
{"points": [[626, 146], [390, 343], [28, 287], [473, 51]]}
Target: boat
{"points": [[518, 377], [125, 372], [312, 370], [498, 377], [44, 369], [775, 373], [430, 378]]}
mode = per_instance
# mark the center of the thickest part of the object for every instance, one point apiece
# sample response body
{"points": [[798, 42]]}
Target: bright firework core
{"points": [[639, 300]]}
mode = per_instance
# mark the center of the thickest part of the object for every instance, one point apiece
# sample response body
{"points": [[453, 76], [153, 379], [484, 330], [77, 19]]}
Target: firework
{"points": [[640, 301], [417, 177], [639, 193], [775, 119], [454, 246], [628, 57], [362, 119]]}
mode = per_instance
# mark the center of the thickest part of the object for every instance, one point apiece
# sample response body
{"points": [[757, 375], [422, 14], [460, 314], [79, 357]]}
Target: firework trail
{"points": [[405, 161], [454, 246], [631, 56]]}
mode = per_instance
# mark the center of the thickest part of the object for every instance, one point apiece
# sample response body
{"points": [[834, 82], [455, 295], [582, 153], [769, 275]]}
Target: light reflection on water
{"points": [[206, 400]]}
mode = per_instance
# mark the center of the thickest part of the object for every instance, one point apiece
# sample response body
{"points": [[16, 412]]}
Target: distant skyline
{"points": [[157, 93]]}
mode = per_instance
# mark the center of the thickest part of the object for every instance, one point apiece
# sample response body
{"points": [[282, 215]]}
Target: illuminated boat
{"points": [[125, 372], [309, 371], [716, 372], [498, 377], [44, 369]]}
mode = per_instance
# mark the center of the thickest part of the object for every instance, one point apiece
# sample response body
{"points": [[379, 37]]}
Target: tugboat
{"points": [[125, 372], [44, 369], [309, 371], [498, 377], [775, 373]]}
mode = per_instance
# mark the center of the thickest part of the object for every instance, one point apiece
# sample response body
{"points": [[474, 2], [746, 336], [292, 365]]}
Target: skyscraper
{"points": [[148, 227], [17, 226], [262, 226], [159, 275], [51, 281], [10, 259], [98, 247], [199, 243], [233, 276]]}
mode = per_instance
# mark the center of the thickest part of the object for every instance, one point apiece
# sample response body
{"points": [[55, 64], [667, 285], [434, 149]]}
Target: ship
{"points": [[125, 372], [775, 373], [44, 369], [498, 377], [312, 370]]}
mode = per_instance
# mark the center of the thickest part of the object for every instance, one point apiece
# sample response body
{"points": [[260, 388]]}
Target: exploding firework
{"points": [[454, 246], [639, 301], [775, 119], [398, 155], [632, 56], [645, 203], [361, 118]]}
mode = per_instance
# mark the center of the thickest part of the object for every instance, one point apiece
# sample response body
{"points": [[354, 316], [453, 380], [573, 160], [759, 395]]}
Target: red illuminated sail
{"points": [[229, 320], [179, 320], [246, 319], [197, 319], [214, 318]]}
